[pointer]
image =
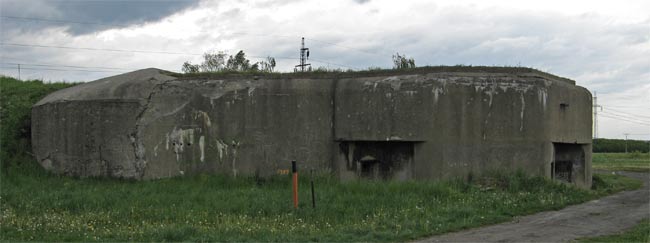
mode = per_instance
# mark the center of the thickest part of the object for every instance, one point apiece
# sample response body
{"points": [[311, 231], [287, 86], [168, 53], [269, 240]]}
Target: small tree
{"points": [[267, 65], [402, 62], [238, 62], [190, 68], [213, 62], [216, 62]]}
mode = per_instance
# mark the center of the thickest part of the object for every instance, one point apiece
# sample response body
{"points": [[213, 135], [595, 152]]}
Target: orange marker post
{"points": [[294, 169]]}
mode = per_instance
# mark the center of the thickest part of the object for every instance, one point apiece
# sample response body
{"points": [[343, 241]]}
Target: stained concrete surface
{"points": [[609, 215], [420, 124]]}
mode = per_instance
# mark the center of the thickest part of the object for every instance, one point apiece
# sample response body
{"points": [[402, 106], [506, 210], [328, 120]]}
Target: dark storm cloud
{"points": [[109, 13]]}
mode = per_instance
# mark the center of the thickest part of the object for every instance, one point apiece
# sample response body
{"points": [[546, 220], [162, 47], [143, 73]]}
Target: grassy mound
{"points": [[16, 100], [372, 72]]}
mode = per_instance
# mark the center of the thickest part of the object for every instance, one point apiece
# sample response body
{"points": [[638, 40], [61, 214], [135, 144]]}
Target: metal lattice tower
{"points": [[304, 55], [596, 106]]}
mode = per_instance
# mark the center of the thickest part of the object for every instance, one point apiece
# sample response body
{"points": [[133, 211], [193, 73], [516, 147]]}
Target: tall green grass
{"points": [[38, 206]]}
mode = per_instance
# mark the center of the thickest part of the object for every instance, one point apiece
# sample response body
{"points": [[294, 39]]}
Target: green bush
{"points": [[16, 100]]}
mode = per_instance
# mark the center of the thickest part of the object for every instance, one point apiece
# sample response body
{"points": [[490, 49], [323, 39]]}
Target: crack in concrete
{"points": [[136, 137]]}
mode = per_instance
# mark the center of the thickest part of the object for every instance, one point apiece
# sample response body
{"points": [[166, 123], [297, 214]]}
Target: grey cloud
{"points": [[274, 3], [109, 13], [232, 13]]}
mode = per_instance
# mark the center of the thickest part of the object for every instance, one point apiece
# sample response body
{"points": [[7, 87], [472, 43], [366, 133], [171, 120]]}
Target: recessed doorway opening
{"points": [[378, 159], [568, 161]]}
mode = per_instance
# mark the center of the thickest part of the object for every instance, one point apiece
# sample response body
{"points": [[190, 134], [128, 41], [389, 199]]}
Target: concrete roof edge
{"points": [[519, 71], [106, 88]]}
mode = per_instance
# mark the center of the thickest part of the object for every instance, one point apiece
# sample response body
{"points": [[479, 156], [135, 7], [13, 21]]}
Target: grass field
{"points": [[635, 161], [35, 205], [38, 206], [640, 233]]}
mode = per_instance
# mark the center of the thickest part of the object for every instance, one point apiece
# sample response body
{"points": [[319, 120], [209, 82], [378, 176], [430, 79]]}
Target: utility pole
{"points": [[626, 134], [596, 106], [636, 134], [304, 55], [18, 71]]}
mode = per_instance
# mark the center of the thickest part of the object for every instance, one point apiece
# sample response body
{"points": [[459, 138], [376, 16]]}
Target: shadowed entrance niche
{"points": [[568, 162], [379, 159]]}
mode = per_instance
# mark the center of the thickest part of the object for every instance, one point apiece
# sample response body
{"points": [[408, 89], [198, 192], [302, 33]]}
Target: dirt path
{"points": [[608, 215]]}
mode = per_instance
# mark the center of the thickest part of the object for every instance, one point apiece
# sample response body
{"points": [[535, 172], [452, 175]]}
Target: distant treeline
{"points": [[604, 145]]}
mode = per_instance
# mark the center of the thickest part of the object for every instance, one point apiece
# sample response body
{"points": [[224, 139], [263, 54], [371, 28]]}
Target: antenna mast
{"points": [[304, 55]]}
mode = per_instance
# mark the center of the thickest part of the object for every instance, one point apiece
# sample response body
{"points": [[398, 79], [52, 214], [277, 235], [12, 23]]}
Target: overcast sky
{"points": [[603, 45]]}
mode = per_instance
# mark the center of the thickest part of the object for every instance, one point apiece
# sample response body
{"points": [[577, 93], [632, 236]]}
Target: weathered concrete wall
{"points": [[90, 129], [395, 126], [233, 126], [465, 123]]}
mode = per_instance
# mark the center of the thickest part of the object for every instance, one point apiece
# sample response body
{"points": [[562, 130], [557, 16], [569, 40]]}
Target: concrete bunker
{"points": [[568, 163], [417, 124], [379, 159]]}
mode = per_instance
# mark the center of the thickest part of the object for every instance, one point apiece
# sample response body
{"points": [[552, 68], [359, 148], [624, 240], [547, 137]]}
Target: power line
{"points": [[345, 47], [57, 69], [154, 52], [68, 66], [172, 53], [235, 33], [623, 98], [263, 35], [306, 38], [625, 114], [121, 50], [620, 119], [629, 118], [22, 66], [60, 21], [100, 49], [629, 114], [643, 124], [164, 52], [149, 52], [330, 63], [626, 117], [629, 107]]}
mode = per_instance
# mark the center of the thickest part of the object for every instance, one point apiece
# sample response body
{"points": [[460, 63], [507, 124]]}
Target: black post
{"points": [[313, 196], [294, 170]]}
